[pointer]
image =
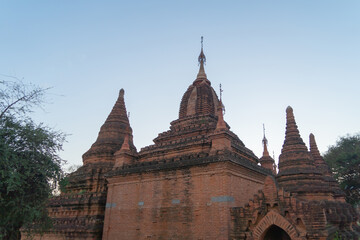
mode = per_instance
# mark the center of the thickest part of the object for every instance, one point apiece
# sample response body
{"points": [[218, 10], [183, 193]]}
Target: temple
{"points": [[199, 181]]}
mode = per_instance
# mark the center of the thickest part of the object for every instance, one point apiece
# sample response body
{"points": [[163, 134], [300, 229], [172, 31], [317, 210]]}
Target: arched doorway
{"points": [[276, 233]]}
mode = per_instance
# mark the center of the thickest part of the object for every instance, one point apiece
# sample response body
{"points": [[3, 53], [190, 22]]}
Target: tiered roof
{"points": [[200, 98], [111, 135], [325, 169], [199, 135], [319, 161], [193, 132], [79, 210], [297, 171]]}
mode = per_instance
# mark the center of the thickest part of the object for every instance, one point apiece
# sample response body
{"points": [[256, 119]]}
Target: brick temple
{"points": [[199, 181]]}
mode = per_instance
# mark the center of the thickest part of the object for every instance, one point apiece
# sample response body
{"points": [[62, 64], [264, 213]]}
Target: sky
{"points": [[266, 54]]}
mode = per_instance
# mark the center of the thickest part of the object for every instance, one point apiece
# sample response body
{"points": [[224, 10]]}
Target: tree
{"points": [[18, 98], [344, 160], [29, 163]]}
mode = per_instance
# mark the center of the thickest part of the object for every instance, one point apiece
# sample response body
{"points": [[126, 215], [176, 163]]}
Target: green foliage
{"points": [[337, 236], [63, 183], [344, 160], [29, 165]]}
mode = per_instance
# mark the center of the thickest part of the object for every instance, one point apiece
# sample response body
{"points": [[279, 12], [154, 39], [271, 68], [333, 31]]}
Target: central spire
{"points": [[265, 142], [202, 61]]}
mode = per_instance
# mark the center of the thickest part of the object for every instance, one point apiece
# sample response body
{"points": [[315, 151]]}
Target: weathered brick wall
{"points": [[187, 203], [78, 213], [315, 220]]}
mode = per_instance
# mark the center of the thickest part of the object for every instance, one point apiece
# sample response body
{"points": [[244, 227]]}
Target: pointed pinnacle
{"points": [[221, 125], [292, 135], [266, 152], [202, 60], [313, 146], [125, 146]]}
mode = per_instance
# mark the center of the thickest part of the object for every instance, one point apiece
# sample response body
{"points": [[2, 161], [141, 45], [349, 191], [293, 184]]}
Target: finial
{"points": [[202, 58], [121, 92], [221, 91], [264, 139], [264, 129], [289, 109], [221, 104]]}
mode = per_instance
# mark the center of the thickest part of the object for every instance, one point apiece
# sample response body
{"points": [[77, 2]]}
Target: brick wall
{"points": [[187, 203]]}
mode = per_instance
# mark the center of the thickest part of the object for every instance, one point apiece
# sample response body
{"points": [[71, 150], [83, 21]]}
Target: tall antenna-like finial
{"points": [[222, 105], [264, 129], [221, 91], [264, 139], [202, 58]]}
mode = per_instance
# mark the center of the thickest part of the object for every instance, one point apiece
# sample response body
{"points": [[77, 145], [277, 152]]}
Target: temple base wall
{"points": [[187, 203]]}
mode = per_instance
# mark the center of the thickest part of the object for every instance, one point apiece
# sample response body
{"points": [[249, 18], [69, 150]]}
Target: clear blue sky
{"points": [[266, 54]]}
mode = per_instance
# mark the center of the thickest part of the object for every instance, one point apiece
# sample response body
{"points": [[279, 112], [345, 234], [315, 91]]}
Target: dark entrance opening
{"points": [[276, 233]]}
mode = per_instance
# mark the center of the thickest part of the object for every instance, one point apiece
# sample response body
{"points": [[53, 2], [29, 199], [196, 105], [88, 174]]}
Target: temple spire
{"points": [[111, 135], [202, 61], [313, 146], [319, 161], [265, 142], [297, 171], [324, 169], [292, 135], [266, 161]]}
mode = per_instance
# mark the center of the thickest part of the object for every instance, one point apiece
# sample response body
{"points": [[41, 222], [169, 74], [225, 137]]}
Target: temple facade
{"points": [[199, 181]]}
